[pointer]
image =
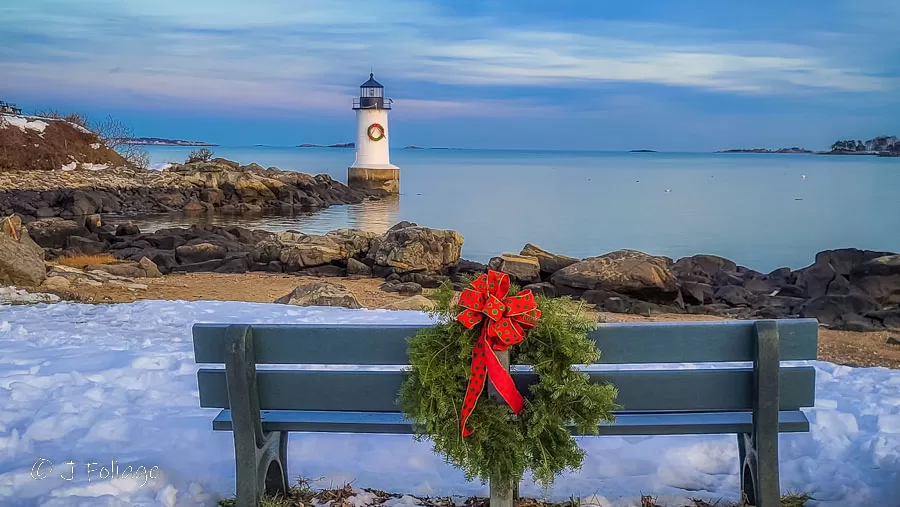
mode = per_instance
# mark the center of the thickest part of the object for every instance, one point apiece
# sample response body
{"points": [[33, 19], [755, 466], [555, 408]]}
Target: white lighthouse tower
{"points": [[372, 168]]}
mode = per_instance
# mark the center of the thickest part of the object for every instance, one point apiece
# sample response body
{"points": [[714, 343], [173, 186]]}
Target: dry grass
{"points": [[83, 261], [302, 495]]}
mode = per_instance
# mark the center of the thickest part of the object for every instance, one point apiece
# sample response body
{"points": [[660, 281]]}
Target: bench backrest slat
{"points": [[639, 390], [621, 343]]}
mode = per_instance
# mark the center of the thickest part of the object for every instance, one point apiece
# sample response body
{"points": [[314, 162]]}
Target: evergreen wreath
{"points": [[375, 132], [503, 446]]}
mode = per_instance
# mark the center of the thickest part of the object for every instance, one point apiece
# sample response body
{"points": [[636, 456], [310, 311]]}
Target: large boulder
{"points": [[353, 242], [86, 246], [310, 251], [199, 252], [879, 278], [417, 249], [628, 272], [550, 263], [53, 232], [21, 259], [320, 294], [820, 279], [522, 269], [703, 268], [842, 311], [843, 260]]}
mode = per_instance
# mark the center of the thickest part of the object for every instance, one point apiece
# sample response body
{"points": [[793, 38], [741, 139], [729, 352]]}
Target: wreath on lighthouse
{"points": [[375, 132], [452, 361]]}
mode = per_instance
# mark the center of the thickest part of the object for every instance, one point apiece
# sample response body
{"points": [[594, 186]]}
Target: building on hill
{"points": [[6, 107]]}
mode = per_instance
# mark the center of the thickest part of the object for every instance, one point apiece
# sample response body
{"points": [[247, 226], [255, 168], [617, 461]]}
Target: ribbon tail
{"points": [[503, 382], [476, 382]]}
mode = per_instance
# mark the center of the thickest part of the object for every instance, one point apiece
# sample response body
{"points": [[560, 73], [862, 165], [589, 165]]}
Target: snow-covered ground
{"points": [[115, 385]]}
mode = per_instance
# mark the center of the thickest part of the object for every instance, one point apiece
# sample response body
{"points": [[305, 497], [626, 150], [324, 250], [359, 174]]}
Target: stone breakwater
{"points": [[218, 185], [850, 289]]}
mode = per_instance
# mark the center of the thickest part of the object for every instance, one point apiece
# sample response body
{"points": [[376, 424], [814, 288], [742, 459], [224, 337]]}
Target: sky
{"points": [[691, 75]]}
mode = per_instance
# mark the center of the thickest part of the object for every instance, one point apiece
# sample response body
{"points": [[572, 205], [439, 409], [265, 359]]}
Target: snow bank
{"points": [[160, 166], [115, 385], [23, 123]]}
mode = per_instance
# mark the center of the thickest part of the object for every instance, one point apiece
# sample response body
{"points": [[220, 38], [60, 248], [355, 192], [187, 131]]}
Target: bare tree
{"points": [[201, 155]]}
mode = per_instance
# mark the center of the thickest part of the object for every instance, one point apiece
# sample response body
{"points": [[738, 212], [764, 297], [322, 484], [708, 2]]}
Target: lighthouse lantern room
{"points": [[372, 168]]}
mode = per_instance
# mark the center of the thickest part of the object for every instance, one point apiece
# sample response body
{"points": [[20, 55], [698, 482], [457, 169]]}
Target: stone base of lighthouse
{"points": [[386, 177]]}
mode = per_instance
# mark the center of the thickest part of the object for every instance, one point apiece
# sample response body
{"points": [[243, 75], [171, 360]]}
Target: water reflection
{"points": [[374, 216]]}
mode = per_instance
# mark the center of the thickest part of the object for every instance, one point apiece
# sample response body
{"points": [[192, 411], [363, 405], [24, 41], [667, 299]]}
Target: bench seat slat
{"points": [[626, 423], [648, 390], [619, 343]]}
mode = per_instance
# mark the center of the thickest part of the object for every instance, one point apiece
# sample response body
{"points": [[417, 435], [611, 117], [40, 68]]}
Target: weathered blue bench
{"points": [[755, 403]]}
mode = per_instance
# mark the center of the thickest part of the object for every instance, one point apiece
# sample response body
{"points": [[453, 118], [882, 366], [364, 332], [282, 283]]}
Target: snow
{"points": [[115, 386], [160, 166], [23, 123], [69, 167], [12, 295]]}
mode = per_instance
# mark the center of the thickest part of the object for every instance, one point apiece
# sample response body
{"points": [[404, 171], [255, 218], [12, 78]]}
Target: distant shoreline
{"points": [[156, 141]]}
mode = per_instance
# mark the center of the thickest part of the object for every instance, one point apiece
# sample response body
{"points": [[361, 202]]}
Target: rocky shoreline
{"points": [[847, 289], [217, 185]]}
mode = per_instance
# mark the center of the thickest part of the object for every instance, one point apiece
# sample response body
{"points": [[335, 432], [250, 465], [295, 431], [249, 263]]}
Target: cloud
{"points": [[291, 55]]}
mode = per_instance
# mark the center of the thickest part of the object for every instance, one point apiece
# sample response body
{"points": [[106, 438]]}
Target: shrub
{"points": [[201, 155], [83, 261]]}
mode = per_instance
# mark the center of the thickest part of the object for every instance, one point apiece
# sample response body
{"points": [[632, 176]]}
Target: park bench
{"points": [[755, 402]]}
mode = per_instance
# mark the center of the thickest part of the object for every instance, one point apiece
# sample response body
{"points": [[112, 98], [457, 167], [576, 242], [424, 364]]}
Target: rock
{"points": [[702, 268], [843, 260], [546, 289], [418, 249], [814, 279], [791, 290], [21, 259], [275, 267], [402, 225], [403, 288], [200, 252], [836, 310], [879, 278], [412, 303], [887, 318], [353, 242], [85, 246], [310, 251], [892, 341], [759, 285], [212, 196], [329, 270], [53, 232], [199, 267], [697, 293], [320, 294], [56, 283], [470, 267], [550, 263], [166, 241], [520, 268], [193, 205], [624, 271], [424, 279], [12, 295], [93, 223], [733, 295], [355, 267], [126, 269], [234, 264], [151, 270]]}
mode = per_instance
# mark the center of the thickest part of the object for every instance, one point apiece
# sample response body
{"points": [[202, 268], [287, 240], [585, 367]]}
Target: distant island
{"points": [[338, 145], [413, 147], [766, 150], [158, 141], [643, 151], [882, 146]]}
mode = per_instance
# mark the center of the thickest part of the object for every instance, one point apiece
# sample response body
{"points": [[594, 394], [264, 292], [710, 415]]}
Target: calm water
{"points": [[756, 209]]}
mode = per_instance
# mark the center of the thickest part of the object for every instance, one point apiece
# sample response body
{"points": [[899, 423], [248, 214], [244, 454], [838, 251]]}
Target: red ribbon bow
{"points": [[507, 320]]}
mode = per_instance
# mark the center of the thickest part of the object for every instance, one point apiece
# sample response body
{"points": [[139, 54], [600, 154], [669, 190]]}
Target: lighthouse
{"points": [[372, 168]]}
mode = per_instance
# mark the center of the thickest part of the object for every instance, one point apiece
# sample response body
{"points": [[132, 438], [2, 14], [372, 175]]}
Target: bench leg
{"points": [[758, 451], [260, 457]]}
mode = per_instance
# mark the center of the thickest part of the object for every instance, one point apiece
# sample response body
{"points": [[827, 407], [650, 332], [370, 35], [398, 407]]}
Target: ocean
{"points": [[763, 211]]}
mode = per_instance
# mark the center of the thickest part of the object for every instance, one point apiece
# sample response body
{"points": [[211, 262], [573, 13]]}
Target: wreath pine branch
{"points": [[503, 447]]}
